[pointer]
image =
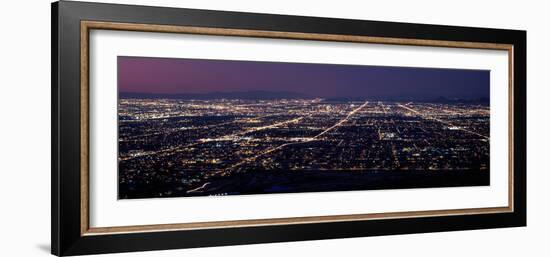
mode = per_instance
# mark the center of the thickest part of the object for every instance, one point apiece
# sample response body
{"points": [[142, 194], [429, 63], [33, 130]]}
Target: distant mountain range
{"points": [[248, 95], [481, 100], [271, 95], [441, 99]]}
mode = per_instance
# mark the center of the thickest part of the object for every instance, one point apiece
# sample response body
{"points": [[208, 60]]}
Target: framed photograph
{"points": [[177, 128]]}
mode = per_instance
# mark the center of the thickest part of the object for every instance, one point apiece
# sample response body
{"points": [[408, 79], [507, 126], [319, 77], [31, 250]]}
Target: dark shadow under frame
{"points": [[70, 29]]}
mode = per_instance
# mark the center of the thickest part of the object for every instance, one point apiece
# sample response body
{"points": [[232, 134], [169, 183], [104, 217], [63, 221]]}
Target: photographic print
{"points": [[198, 127]]}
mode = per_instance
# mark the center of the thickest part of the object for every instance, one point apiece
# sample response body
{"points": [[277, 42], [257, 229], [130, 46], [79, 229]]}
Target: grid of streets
{"points": [[181, 146]]}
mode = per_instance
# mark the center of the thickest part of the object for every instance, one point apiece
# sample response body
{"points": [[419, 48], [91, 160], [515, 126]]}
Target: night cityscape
{"points": [[255, 142]]}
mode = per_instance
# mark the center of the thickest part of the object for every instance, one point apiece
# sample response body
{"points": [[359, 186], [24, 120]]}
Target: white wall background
{"points": [[25, 127]]}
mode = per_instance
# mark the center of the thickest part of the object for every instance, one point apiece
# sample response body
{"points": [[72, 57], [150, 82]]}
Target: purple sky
{"points": [[171, 75]]}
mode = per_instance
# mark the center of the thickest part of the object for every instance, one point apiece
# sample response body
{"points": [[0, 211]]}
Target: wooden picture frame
{"points": [[71, 25]]}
